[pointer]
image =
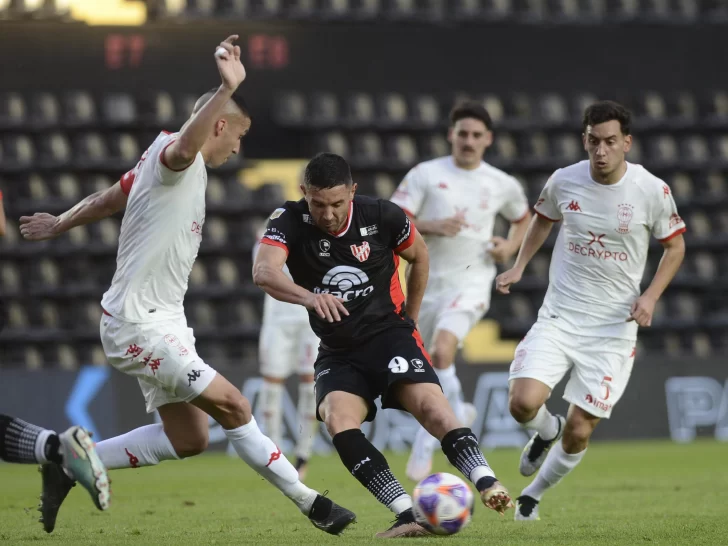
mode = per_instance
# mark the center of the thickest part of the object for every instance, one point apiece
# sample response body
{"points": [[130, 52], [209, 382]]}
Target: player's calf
{"points": [[579, 427]]}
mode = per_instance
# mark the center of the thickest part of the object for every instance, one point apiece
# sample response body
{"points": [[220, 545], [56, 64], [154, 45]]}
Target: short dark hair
{"points": [[236, 98], [471, 109], [608, 110], [327, 170]]}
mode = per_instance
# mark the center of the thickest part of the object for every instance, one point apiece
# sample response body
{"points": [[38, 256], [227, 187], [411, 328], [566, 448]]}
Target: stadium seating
{"points": [[56, 149]]}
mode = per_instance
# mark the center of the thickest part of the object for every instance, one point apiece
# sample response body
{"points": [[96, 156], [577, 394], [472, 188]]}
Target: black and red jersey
{"points": [[359, 265]]}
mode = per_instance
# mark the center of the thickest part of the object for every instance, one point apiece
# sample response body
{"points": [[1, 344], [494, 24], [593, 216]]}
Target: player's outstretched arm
{"points": [[193, 135], [268, 275], [672, 257], [538, 231], [97, 206], [419, 260]]}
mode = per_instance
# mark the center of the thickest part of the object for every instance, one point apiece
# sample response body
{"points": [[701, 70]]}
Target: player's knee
{"points": [[522, 408], [233, 410], [336, 423]]}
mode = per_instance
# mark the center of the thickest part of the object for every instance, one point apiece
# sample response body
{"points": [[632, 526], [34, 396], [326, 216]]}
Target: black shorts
{"points": [[370, 370]]}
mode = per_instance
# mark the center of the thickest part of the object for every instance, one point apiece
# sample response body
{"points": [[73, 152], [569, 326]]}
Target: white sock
{"points": [[452, 389], [143, 446], [40, 444], [546, 424], [558, 464], [400, 504], [306, 420], [271, 395], [267, 460]]}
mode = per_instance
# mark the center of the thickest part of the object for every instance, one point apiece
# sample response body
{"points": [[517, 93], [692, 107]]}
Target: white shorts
{"points": [[453, 308], [161, 355], [286, 349], [600, 367]]}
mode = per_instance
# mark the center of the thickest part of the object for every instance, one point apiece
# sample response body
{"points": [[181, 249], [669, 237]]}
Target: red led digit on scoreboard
{"points": [[268, 52], [124, 50]]}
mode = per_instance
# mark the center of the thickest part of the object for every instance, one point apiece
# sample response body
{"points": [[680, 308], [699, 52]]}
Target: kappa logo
{"points": [[325, 246], [574, 205], [625, 212], [361, 252], [133, 459], [274, 456], [665, 191], [369, 230], [307, 219], [418, 365], [341, 282]]}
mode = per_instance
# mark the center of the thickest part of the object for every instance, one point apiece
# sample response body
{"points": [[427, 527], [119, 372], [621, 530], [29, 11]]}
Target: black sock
{"points": [[462, 450], [368, 465], [18, 441]]}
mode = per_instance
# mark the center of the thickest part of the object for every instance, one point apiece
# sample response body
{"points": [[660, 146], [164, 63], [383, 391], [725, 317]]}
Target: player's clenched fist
{"points": [[228, 61], [504, 281], [39, 227], [642, 311], [327, 307]]}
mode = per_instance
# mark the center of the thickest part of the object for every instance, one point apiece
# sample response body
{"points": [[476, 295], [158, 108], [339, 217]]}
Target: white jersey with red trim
{"points": [[159, 239], [439, 189], [601, 250]]}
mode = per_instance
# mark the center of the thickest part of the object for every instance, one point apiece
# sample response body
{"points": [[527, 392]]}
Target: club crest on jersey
{"points": [[361, 252], [624, 216], [325, 246]]}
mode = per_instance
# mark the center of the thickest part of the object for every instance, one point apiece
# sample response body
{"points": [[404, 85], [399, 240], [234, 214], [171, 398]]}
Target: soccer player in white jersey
{"points": [[143, 327], [593, 307], [288, 345], [454, 201]]}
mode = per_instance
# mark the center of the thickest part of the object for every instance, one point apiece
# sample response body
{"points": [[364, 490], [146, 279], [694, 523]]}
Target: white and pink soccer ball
{"points": [[443, 503]]}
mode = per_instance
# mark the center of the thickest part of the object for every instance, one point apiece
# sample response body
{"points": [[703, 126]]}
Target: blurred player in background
{"points": [[288, 345], [143, 328], [343, 252], [73, 451], [589, 318], [454, 201]]}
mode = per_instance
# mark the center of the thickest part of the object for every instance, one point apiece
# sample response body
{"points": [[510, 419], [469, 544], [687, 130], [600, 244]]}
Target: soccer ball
{"points": [[443, 503]]}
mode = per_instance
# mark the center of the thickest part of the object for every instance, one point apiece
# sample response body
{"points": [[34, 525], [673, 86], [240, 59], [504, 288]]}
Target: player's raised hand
{"points": [[642, 311], [227, 56], [39, 227], [327, 307], [504, 281], [501, 249]]}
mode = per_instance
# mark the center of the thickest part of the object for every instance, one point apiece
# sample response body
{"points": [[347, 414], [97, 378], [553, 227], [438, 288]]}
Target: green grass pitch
{"points": [[622, 493]]}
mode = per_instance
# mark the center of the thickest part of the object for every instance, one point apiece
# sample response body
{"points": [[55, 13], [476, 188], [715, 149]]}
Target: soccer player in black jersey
{"points": [[343, 252]]}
